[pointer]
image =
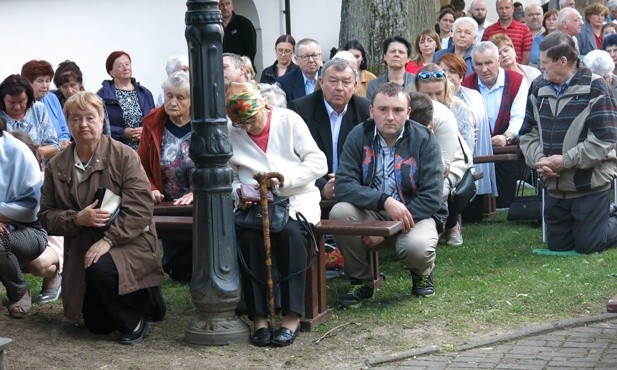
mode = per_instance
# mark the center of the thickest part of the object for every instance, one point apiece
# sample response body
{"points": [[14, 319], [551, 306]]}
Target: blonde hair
{"points": [[83, 100]]}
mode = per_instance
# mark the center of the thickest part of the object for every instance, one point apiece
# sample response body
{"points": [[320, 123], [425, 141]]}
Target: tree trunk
{"points": [[372, 21]]}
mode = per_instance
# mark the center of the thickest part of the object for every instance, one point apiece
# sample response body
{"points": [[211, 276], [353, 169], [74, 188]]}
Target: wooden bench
{"points": [[179, 225], [4, 345], [500, 154], [611, 305], [315, 307]]}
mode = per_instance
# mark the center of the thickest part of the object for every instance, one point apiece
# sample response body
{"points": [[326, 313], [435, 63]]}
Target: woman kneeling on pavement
{"points": [[112, 271]]}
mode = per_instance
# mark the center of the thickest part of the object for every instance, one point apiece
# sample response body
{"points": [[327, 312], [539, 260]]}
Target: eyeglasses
{"points": [[246, 122], [429, 75], [306, 57], [284, 51]]}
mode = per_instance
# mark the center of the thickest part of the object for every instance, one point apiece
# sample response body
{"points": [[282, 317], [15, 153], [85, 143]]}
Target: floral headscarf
{"points": [[243, 100]]}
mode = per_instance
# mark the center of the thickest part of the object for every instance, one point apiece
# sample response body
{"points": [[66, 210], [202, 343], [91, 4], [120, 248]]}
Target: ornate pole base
{"points": [[216, 331]]}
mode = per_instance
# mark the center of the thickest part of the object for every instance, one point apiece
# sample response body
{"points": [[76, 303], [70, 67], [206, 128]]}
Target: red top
{"points": [[261, 139], [518, 32], [598, 41], [413, 68]]}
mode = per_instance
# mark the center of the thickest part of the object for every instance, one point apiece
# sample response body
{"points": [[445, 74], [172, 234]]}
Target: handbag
{"points": [[108, 201], [252, 218], [526, 207], [465, 191], [248, 193]]}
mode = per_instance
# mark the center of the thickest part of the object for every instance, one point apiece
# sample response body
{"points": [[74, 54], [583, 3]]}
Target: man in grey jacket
{"points": [[390, 169]]}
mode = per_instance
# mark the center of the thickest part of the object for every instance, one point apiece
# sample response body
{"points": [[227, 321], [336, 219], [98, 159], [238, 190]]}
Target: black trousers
{"points": [[506, 175], [105, 310], [178, 259], [289, 257]]}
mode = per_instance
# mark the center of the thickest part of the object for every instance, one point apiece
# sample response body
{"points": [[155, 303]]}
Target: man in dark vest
{"points": [[330, 113], [505, 95]]}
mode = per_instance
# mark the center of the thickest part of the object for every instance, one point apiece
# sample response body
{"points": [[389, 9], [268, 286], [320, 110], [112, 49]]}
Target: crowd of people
{"points": [[389, 147]]}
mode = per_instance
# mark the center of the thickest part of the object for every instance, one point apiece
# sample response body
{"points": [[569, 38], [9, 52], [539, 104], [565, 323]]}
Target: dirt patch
{"points": [[46, 340]]}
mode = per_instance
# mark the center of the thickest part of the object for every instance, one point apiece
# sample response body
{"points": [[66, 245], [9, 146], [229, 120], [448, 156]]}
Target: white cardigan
{"points": [[292, 152]]}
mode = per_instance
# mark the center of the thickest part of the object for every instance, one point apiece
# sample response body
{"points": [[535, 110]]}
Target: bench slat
{"points": [[360, 228], [508, 157]]}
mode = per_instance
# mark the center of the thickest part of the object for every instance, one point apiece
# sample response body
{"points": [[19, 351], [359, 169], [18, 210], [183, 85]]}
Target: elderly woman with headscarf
{"points": [[112, 272], [267, 139], [601, 63], [164, 153]]}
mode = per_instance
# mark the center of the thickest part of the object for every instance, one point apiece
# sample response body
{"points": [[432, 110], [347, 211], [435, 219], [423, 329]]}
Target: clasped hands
{"points": [[550, 166]]}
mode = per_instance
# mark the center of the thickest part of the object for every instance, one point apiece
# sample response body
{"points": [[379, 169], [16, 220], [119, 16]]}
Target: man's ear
{"points": [[370, 110]]}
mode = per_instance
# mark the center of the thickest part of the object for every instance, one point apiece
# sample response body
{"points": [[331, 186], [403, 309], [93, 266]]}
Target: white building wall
{"points": [[86, 31]]}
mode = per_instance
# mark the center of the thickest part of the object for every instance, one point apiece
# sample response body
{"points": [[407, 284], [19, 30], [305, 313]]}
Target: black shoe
{"points": [[284, 337], [261, 337], [136, 336], [356, 295], [422, 285]]}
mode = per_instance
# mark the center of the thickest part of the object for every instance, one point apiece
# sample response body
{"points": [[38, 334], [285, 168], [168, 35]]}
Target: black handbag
{"points": [[465, 191], [251, 218], [526, 207]]}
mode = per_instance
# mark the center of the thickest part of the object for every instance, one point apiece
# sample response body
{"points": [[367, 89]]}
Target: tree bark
{"points": [[372, 21]]}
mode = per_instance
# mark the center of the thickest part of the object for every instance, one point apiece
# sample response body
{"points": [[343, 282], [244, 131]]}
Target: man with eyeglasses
{"points": [[570, 21], [505, 94], [303, 80], [240, 36], [330, 113], [390, 169]]}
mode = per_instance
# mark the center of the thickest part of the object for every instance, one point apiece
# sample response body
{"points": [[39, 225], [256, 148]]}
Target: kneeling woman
{"points": [[267, 139], [112, 270]]}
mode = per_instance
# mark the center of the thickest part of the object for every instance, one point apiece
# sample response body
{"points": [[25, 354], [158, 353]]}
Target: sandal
{"points": [[20, 309]]}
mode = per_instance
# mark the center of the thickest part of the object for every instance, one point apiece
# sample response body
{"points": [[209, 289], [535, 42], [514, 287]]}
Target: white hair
{"points": [[564, 14], [178, 79], [176, 63], [466, 20], [483, 47], [600, 62], [274, 95], [611, 4]]}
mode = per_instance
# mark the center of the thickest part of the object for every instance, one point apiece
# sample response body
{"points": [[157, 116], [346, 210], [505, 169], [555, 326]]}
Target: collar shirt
{"points": [[384, 179], [335, 128], [309, 85], [492, 99]]}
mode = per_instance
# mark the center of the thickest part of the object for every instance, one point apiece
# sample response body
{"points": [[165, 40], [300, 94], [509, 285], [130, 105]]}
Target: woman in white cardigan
{"points": [[269, 139]]}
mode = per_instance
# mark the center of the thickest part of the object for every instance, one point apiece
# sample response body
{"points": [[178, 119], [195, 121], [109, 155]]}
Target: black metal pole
{"points": [[215, 286], [287, 17]]}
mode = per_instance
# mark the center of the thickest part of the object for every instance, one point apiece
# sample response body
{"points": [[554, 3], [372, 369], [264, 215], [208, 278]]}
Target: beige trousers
{"points": [[416, 249]]}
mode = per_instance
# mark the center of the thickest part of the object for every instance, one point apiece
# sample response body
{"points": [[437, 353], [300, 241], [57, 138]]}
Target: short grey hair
{"points": [[532, 6], [339, 65], [466, 20], [483, 47], [178, 79], [600, 62], [305, 42], [564, 14], [274, 95], [176, 63], [611, 4]]}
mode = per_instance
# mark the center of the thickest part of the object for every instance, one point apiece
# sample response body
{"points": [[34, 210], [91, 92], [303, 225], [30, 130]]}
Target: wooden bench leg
{"points": [[316, 310], [378, 278]]}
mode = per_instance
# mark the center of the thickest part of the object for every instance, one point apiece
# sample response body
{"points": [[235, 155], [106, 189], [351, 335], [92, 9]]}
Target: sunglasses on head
{"points": [[428, 75]]}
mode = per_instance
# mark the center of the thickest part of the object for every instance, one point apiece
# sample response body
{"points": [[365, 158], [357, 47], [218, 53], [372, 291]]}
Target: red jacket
{"points": [[150, 146]]}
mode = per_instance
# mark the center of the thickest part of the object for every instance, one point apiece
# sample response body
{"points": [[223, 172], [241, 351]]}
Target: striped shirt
{"points": [[518, 32]]}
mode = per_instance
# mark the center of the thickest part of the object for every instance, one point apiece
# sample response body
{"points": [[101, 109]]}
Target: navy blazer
{"points": [[313, 111], [293, 84]]}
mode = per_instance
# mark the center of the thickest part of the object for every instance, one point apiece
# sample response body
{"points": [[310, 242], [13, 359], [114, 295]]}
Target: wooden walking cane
{"points": [[263, 180]]}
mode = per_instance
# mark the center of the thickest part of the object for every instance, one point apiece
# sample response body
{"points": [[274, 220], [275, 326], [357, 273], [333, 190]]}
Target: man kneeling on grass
{"points": [[390, 169]]}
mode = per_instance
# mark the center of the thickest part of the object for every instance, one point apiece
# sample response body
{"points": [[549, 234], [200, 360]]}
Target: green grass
{"points": [[492, 281]]}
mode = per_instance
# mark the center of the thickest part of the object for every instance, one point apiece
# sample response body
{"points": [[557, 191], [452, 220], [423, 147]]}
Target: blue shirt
{"points": [[36, 124], [54, 109], [335, 128]]}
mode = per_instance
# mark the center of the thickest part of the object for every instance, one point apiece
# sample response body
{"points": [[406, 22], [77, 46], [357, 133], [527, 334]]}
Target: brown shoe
{"points": [[20, 309]]}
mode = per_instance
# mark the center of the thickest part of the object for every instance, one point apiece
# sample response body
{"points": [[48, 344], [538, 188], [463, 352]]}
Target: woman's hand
{"points": [[95, 252], [132, 133], [157, 197], [184, 200], [91, 216]]}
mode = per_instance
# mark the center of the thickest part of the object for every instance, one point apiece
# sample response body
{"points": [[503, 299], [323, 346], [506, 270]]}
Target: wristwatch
{"points": [[508, 139], [106, 238]]}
